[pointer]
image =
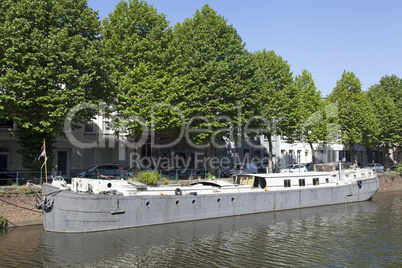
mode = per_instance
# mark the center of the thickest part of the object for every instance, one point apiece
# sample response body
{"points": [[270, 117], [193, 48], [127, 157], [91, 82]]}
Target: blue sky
{"points": [[322, 36]]}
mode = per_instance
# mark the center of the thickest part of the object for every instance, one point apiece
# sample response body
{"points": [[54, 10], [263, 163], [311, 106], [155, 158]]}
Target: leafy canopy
{"points": [[356, 118], [211, 73], [50, 61], [386, 98], [136, 39]]}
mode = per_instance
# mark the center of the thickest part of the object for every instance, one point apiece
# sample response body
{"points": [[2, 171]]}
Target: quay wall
{"points": [[19, 210], [390, 182]]}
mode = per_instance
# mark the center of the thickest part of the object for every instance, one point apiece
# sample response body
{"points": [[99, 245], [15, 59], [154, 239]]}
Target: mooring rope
{"points": [[7, 202]]}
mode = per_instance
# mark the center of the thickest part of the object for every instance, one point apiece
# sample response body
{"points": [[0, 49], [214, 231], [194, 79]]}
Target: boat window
{"points": [[259, 182], [286, 183], [316, 181], [244, 180], [302, 182], [327, 180]]}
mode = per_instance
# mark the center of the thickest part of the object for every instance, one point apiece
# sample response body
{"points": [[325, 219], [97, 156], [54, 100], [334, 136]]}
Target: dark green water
{"points": [[365, 234]]}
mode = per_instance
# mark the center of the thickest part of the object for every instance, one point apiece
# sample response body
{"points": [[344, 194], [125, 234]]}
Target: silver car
{"points": [[376, 167], [294, 168]]}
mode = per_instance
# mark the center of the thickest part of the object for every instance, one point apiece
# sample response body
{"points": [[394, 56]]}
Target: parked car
{"points": [[248, 168], [310, 166], [7, 177], [234, 170], [105, 171], [225, 172], [182, 174], [376, 167], [130, 172], [294, 168]]}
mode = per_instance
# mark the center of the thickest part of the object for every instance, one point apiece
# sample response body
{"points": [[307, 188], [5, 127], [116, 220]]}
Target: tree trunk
{"points": [[312, 152], [137, 161], [386, 159], [353, 157], [270, 167], [210, 155]]}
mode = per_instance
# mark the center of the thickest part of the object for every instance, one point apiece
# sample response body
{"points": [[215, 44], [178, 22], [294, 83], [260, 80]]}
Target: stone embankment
{"points": [[19, 209], [390, 182]]}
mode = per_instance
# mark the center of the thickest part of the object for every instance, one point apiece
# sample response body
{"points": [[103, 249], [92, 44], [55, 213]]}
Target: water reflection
{"points": [[359, 234], [19, 246]]}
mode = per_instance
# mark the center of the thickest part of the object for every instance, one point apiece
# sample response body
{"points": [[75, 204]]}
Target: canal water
{"points": [[365, 234]]}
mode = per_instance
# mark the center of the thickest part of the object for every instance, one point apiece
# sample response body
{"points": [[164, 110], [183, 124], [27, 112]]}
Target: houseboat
{"points": [[88, 205]]}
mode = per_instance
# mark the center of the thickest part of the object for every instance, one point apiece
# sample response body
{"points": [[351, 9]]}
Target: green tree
{"points": [[386, 98], [357, 121], [50, 61], [276, 97], [311, 110], [211, 79], [136, 39]]}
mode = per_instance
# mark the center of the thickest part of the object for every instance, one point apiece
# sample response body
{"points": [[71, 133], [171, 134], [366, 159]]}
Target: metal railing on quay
{"points": [[21, 177]]}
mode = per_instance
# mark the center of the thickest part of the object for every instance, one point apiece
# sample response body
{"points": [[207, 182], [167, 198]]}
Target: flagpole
{"points": [[44, 148]]}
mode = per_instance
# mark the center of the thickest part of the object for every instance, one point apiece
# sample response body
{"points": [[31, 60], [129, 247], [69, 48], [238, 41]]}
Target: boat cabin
{"points": [[286, 180]]}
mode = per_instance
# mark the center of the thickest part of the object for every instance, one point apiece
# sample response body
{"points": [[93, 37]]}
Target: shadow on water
{"points": [[360, 234]]}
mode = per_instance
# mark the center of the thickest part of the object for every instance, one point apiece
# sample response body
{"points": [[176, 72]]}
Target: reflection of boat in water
{"points": [[332, 235], [190, 244], [97, 205]]}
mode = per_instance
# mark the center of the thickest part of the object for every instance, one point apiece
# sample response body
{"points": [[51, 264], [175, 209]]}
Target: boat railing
{"points": [[353, 175]]}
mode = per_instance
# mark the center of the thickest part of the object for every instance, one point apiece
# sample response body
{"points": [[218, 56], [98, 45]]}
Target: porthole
{"points": [[219, 200], [232, 199], [193, 202], [148, 204], [109, 185], [177, 202]]}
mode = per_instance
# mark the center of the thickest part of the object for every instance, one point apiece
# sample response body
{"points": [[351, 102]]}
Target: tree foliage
{"points": [[136, 39], [357, 121], [312, 112], [50, 61], [386, 99], [276, 97], [211, 74], [54, 54]]}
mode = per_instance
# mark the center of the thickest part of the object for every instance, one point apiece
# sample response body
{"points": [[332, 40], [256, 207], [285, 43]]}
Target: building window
{"points": [[286, 183], [246, 154], [6, 124], [107, 127], [316, 181], [257, 156], [89, 127], [302, 182], [298, 156]]}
